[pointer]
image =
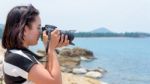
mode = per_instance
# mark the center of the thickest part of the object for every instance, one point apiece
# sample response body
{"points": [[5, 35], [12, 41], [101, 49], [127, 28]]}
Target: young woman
{"points": [[22, 29]]}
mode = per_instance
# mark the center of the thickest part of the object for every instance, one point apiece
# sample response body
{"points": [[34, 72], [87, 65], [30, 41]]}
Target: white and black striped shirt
{"points": [[17, 64]]}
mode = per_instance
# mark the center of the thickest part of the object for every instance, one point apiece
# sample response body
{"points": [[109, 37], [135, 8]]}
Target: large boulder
{"points": [[66, 52], [70, 57], [82, 52], [76, 52], [69, 62]]}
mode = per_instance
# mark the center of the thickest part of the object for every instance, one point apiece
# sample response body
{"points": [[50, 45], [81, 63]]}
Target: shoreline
{"points": [[111, 37]]}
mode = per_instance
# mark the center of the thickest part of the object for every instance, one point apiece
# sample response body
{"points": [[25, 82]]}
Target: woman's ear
{"points": [[26, 30]]}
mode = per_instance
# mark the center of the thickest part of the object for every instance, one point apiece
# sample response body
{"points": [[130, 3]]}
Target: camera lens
{"points": [[70, 36]]}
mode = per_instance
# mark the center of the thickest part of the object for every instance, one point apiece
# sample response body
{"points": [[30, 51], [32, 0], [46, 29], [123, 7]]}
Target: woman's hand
{"points": [[55, 40], [45, 39], [63, 41]]}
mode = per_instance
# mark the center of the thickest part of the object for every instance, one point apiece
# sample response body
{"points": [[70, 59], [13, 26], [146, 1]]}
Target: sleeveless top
{"points": [[17, 64]]}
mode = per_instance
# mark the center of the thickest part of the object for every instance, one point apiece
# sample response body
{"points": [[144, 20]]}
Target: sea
{"points": [[126, 60]]}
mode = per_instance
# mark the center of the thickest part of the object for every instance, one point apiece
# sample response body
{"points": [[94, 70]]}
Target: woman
{"points": [[22, 29]]}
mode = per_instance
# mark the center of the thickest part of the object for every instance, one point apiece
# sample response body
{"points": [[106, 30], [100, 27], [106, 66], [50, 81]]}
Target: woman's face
{"points": [[32, 35]]}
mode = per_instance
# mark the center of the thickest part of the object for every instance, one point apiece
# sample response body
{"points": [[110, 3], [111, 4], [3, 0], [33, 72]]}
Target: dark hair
{"points": [[17, 19]]}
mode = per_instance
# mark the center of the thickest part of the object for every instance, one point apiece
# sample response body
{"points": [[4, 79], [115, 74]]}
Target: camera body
{"points": [[50, 28]]}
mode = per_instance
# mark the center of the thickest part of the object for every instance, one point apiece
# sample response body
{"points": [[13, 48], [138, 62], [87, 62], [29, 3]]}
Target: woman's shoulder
{"points": [[16, 54], [19, 59]]}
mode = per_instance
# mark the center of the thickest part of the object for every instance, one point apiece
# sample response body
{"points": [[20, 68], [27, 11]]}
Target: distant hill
{"points": [[101, 30]]}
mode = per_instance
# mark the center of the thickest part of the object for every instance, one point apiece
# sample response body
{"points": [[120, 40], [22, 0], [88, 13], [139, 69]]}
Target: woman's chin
{"points": [[33, 44]]}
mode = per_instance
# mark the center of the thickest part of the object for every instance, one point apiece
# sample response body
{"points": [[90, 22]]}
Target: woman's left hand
{"points": [[63, 41]]}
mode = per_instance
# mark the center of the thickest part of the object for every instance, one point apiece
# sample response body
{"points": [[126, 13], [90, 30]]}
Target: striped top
{"points": [[17, 64]]}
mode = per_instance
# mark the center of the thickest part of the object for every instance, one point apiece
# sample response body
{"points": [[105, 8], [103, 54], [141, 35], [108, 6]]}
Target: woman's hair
{"points": [[17, 19]]}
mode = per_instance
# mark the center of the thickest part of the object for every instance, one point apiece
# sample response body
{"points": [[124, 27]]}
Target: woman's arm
{"points": [[53, 66], [52, 73]]}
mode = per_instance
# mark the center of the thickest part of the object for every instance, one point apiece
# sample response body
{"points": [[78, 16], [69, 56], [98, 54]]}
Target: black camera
{"points": [[50, 28]]}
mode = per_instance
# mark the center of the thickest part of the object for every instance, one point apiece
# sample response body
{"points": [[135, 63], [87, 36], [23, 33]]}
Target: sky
{"points": [[87, 15]]}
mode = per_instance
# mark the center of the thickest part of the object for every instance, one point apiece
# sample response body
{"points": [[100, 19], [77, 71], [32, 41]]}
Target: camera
{"points": [[50, 28]]}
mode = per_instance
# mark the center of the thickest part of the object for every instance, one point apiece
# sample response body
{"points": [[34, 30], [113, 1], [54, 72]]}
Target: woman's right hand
{"points": [[54, 39]]}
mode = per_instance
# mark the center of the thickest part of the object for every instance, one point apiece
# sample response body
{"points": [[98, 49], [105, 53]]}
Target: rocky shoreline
{"points": [[70, 60]]}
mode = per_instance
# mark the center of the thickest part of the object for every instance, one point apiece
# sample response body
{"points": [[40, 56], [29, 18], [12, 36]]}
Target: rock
{"points": [[86, 59], [41, 52], [70, 58], [93, 74], [43, 60], [65, 58], [83, 58], [66, 52], [82, 52], [77, 52], [69, 62], [99, 69], [64, 69], [79, 71]]}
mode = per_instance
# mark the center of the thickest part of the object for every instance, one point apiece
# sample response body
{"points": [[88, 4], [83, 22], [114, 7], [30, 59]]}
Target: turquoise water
{"points": [[126, 59]]}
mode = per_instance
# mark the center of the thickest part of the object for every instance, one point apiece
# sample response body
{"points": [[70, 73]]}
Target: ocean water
{"points": [[127, 60]]}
